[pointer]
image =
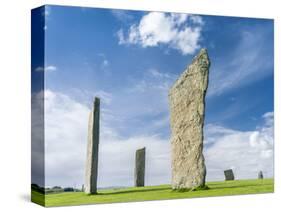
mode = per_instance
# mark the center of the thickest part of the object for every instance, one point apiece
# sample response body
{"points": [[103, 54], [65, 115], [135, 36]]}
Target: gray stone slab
{"points": [[93, 149], [140, 167], [260, 175], [187, 112], [229, 175]]}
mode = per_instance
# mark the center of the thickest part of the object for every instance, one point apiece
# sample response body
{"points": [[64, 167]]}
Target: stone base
{"points": [[92, 194], [199, 188]]}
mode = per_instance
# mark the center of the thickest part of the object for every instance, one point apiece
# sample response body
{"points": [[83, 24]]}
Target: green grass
{"points": [[160, 193], [37, 197]]}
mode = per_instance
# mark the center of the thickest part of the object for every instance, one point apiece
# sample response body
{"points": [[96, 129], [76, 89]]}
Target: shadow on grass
{"points": [[233, 186], [133, 191]]}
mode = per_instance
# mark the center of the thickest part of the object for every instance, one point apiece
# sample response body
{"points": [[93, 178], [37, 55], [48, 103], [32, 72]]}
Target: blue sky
{"points": [[130, 59]]}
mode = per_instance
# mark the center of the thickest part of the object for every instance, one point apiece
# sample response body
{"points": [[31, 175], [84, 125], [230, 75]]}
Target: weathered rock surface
{"points": [[140, 167], [93, 149], [229, 175], [187, 108]]}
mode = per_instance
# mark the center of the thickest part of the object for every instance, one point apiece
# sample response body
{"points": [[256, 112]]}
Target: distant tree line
{"points": [[55, 189]]}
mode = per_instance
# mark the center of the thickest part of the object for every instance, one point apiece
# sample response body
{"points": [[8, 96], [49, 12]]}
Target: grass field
{"points": [[155, 193]]}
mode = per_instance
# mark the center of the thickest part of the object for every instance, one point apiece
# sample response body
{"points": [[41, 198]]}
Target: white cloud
{"points": [[49, 68], [47, 11], [197, 19], [46, 14], [121, 37], [66, 137], [173, 29], [37, 137], [250, 61], [39, 69], [104, 63], [122, 15], [269, 118], [65, 147], [246, 152], [117, 159]]}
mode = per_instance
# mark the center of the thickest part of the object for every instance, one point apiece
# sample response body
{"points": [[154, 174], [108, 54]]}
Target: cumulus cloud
{"points": [[65, 137], [37, 137], [246, 152], [178, 31], [65, 147], [66, 119]]}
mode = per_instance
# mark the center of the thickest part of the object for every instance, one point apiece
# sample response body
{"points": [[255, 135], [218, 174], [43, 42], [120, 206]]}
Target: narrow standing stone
{"points": [[187, 109], [229, 174], [140, 167], [260, 175], [93, 149]]}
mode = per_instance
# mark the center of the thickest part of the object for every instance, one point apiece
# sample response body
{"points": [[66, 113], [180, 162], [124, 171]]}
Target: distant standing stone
{"points": [[260, 175], [187, 112], [93, 149], [140, 167], [229, 175]]}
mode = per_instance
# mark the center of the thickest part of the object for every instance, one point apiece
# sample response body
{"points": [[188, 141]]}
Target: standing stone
{"points": [[140, 167], [93, 149], [260, 175], [229, 174], [187, 108]]}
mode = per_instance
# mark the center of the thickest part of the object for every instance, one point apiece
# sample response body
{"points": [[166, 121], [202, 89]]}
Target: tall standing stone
{"points": [[229, 175], [260, 175], [140, 167], [187, 108], [93, 149]]}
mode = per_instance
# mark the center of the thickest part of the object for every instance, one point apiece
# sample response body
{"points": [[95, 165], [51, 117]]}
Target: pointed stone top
{"points": [[97, 99], [203, 51], [96, 102], [202, 58], [203, 54], [199, 65], [141, 149]]}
